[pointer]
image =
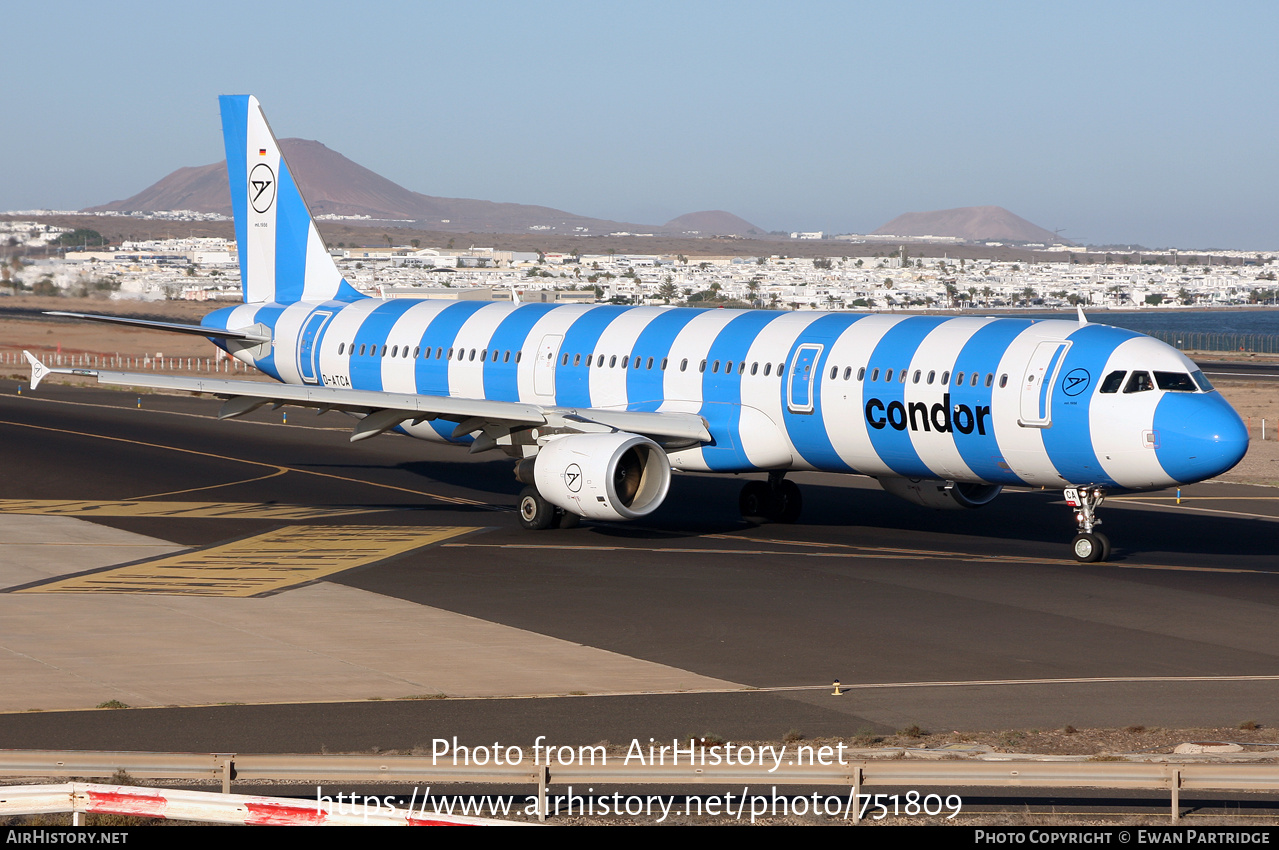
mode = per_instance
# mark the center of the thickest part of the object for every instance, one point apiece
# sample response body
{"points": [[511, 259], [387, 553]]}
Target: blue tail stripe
{"points": [[235, 133], [292, 227]]}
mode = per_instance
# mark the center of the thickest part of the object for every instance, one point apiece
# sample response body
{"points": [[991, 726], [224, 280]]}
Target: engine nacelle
{"points": [[933, 493], [603, 476]]}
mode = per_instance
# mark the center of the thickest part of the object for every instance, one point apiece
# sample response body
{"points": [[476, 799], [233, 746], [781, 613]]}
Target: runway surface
{"points": [[382, 594]]}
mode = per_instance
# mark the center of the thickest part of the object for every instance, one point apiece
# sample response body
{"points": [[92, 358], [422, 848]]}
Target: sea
{"points": [[1261, 320]]}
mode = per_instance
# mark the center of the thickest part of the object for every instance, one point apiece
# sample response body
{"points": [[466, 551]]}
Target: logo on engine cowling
{"points": [[573, 477]]}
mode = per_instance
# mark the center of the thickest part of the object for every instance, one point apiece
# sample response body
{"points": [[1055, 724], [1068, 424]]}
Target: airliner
{"points": [[597, 404]]}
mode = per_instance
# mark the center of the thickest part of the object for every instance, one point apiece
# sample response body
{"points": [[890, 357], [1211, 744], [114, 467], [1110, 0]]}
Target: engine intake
{"points": [[934, 493], [603, 476]]}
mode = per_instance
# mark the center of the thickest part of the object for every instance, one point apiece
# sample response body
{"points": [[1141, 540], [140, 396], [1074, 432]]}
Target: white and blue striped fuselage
{"points": [[974, 400]]}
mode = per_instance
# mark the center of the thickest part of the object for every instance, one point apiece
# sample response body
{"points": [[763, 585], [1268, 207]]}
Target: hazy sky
{"points": [[1153, 123]]}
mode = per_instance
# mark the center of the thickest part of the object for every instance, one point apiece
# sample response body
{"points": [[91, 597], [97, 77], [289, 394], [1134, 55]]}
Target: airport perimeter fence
{"points": [[887, 778], [209, 365], [1208, 341]]}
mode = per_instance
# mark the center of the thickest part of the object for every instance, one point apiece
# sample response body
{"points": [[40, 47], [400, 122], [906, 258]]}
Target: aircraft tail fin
{"points": [[282, 257]]}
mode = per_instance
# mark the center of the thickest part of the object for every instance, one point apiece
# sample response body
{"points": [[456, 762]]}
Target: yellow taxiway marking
{"points": [[187, 510], [253, 566]]}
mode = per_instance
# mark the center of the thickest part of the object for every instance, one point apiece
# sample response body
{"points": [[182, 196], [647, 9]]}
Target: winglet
{"points": [[515, 295], [1080, 307], [38, 369]]}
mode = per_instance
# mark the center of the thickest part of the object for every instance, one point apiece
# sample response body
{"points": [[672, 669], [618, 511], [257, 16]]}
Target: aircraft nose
{"points": [[1200, 436]]}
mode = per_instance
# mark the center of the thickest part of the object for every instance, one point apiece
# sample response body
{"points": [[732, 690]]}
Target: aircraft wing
{"points": [[382, 411]]}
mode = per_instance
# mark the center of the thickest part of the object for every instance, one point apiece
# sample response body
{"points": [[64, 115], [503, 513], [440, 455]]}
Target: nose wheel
{"points": [[1089, 545]]}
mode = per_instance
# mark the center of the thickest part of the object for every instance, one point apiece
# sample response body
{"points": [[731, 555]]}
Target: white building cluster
{"points": [[207, 268]]}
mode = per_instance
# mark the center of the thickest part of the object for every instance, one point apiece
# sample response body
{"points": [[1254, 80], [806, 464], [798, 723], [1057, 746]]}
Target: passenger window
{"points": [[1139, 383], [874, 375], [341, 347], [754, 368], [1113, 381], [848, 372], [861, 373], [974, 381], [945, 377], [931, 376], [1003, 380], [901, 376], [915, 380], [768, 367], [683, 365], [959, 379], [834, 372], [888, 376]]}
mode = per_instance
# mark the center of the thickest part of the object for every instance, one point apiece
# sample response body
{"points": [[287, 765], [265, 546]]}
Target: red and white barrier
{"points": [[171, 804]]}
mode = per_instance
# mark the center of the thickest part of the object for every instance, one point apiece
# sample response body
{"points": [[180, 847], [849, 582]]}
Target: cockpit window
{"points": [[1139, 383], [1113, 381], [1203, 382], [1178, 382]]}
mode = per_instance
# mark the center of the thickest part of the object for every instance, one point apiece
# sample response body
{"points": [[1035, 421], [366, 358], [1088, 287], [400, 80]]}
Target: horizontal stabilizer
{"points": [[253, 334]]}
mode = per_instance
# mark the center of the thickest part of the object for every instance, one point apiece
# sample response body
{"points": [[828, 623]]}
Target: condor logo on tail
{"points": [[919, 416]]}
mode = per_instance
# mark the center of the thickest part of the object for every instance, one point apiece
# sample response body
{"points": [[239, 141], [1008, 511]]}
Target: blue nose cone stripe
{"points": [[1199, 435]]}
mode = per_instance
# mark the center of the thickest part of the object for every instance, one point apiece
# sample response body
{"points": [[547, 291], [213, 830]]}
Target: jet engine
{"points": [[942, 495], [603, 476]]}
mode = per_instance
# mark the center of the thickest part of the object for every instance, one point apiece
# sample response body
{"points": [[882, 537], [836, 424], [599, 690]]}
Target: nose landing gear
{"points": [[1089, 545]]}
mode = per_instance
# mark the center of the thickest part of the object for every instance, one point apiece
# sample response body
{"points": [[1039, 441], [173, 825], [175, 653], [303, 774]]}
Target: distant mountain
{"points": [[711, 223], [975, 224], [334, 185]]}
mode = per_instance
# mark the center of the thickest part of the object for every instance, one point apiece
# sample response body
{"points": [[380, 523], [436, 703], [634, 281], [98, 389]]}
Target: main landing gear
{"points": [[537, 514], [774, 500], [1089, 545]]}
